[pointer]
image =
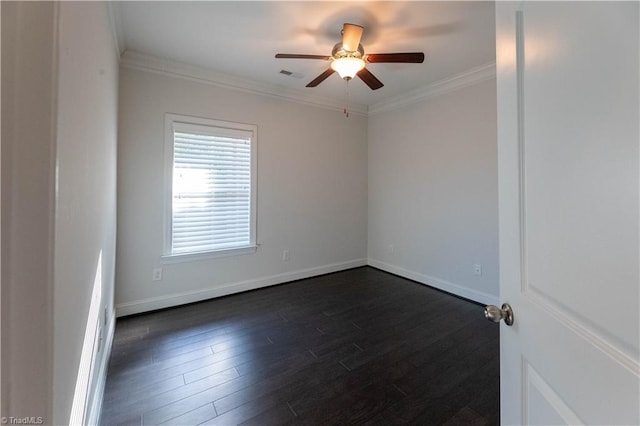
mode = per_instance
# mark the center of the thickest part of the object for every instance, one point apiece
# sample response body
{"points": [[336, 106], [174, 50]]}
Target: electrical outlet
{"points": [[392, 248], [286, 255], [477, 269], [157, 274]]}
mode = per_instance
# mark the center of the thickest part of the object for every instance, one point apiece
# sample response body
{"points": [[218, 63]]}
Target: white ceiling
{"points": [[241, 38]]}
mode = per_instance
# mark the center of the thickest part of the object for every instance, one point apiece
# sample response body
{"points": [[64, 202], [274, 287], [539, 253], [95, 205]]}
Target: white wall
{"points": [[59, 119], [312, 191], [28, 141], [433, 201], [85, 221]]}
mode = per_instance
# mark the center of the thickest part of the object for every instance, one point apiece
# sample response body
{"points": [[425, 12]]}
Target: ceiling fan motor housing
{"points": [[339, 52]]}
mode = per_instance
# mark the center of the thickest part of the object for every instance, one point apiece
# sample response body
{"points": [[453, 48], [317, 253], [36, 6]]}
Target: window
{"points": [[211, 179]]}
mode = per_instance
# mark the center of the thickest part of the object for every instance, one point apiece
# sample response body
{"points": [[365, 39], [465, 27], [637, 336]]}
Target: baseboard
{"points": [[449, 287], [145, 305], [95, 408]]}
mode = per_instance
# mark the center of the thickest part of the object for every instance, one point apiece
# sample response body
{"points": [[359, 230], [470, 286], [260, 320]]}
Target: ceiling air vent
{"points": [[291, 74]]}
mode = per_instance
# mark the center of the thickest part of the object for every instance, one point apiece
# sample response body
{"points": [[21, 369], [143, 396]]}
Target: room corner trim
{"points": [[176, 299], [449, 287], [458, 81], [115, 23], [143, 62], [95, 408]]}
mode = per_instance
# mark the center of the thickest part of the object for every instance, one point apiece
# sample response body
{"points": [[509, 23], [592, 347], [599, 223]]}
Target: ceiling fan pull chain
{"points": [[346, 95]]}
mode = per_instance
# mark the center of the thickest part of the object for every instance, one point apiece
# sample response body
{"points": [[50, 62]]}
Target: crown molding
{"points": [[144, 62], [154, 64], [458, 81]]}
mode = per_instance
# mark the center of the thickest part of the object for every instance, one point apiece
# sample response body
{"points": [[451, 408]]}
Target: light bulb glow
{"points": [[347, 67]]}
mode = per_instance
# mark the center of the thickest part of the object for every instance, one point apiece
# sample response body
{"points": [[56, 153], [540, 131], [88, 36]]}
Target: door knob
{"points": [[495, 314]]}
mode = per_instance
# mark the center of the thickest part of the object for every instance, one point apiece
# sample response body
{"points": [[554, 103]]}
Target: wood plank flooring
{"points": [[355, 347]]}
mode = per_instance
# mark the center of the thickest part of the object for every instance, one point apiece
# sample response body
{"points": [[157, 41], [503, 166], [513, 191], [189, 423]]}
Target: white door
{"points": [[568, 153]]}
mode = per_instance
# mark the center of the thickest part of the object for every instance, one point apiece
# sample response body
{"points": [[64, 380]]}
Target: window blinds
{"points": [[211, 200]]}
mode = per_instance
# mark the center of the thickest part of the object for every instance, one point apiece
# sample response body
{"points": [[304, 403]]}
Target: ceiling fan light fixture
{"points": [[347, 67]]}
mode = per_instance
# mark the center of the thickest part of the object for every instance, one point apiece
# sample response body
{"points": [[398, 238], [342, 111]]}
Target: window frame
{"points": [[224, 128]]}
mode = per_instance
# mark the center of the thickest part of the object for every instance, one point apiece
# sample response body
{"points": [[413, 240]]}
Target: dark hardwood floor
{"points": [[356, 347]]}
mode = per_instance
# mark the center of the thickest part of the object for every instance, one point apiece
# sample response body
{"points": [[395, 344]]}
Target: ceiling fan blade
{"points": [[409, 58], [322, 77], [351, 35], [369, 79], [298, 56]]}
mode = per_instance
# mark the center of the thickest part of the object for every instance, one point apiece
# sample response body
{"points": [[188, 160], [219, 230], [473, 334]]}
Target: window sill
{"points": [[207, 255]]}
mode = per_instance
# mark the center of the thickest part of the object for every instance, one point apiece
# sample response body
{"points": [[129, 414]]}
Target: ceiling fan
{"points": [[348, 59]]}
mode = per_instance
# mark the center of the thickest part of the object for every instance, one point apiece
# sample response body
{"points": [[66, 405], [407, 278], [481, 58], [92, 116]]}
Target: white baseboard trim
{"points": [[145, 305], [449, 287], [95, 408]]}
